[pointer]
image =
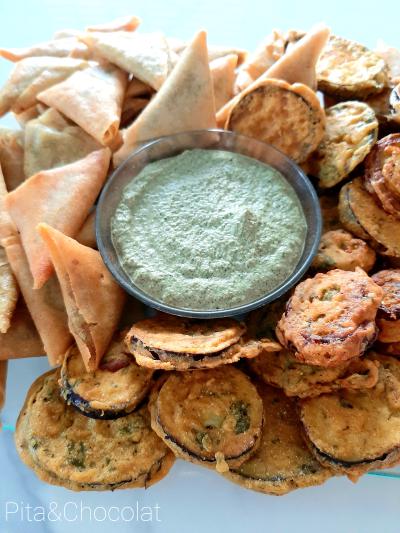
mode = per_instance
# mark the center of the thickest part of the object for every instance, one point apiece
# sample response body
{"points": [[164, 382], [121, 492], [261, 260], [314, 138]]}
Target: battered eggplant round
{"points": [[355, 431], [351, 132], [348, 70], [339, 249], [174, 343], [79, 453], [209, 417], [115, 389], [281, 369], [331, 317], [282, 462], [287, 116], [184, 335], [362, 216], [382, 173], [389, 310]]}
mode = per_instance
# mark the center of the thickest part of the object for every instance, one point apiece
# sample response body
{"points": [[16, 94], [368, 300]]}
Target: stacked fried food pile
{"points": [[300, 391]]}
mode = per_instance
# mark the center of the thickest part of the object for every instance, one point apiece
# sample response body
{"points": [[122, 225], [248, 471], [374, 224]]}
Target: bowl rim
{"points": [[269, 297]]}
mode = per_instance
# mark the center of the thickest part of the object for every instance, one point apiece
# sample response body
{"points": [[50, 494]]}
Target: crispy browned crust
{"points": [[282, 370], [145, 479], [382, 173], [389, 280], [361, 215], [354, 432], [190, 403], [353, 470], [330, 318], [287, 116], [115, 389], [340, 249], [186, 335], [351, 132], [282, 462], [165, 360], [348, 70]]}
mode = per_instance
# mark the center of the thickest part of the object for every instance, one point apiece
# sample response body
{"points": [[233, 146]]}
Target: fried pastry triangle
{"points": [[62, 197], [92, 298], [296, 66], [187, 96], [92, 99]]}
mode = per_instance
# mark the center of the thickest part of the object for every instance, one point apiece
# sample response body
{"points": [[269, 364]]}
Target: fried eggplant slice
{"points": [[287, 116], [349, 70], [115, 389], [282, 370], [355, 431], [351, 132], [330, 318], [175, 343], [210, 417], [362, 216], [282, 462], [388, 318], [382, 173], [340, 249], [68, 449]]}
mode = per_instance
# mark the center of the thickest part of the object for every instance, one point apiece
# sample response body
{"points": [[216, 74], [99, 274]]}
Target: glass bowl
{"points": [[216, 140]]}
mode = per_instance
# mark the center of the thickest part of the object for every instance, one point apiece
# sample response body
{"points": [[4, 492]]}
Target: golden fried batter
{"points": [[389, 310], [185, 335], [71, 450], [339, 249], [282, 462], [331, 317], [360, 214], [210, 417], [349, 70], [355, 431], [174, 343], [287, 116], [351, 132], [382, 173], [116, 388], [281, 369]]}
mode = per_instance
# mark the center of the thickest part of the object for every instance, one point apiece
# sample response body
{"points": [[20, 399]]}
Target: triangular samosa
{"points": [[46, 305], [296, 66], [32, 75], [223, 76], [92, 99], [12, 157], [185, 102], [92, 297], [62, 197], [145, 55], [52, 141]]}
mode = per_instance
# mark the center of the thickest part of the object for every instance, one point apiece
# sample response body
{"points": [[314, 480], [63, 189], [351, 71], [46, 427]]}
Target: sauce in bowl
{"points": [[208, 229]]}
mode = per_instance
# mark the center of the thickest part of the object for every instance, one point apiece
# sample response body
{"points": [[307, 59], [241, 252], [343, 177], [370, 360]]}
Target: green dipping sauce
{"points": [[208, 229]]}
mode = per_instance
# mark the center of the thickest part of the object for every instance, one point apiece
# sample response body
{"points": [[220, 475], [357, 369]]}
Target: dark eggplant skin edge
{"points": [[177, 446], [84, 407]]}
